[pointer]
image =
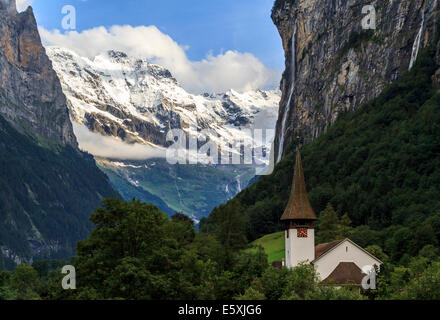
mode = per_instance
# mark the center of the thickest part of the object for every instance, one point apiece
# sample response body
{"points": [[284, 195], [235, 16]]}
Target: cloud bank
{"points": [[230, 70], [110, 147]]}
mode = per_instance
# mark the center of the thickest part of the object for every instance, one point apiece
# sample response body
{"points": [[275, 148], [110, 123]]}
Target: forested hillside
{"points": [[379, 164], [47, 194]]}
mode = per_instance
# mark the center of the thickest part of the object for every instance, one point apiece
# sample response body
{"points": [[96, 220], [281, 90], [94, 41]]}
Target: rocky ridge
{"points": [[334, 66], [30, 93]]}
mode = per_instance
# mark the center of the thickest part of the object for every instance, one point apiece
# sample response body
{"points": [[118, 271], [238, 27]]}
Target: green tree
{"points": [[300, 282], [430, 252], [254, 292], [423, 236], [328, 227], [377, 251], [423, 287], [398, 243], [6, 293], [231, 231], [5, 277], [124, 252], [327, 292], [345, 229], [274, 280], [25, 283], [136, 252]]}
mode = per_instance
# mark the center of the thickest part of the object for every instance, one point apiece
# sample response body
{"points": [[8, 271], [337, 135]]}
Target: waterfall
{"points": [[292, 89], [237, 179], [416, 45]]}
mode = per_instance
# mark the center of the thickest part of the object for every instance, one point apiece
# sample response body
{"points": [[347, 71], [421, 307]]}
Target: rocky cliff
{"points": [[30, 92], [48, 187], [333, 65]]}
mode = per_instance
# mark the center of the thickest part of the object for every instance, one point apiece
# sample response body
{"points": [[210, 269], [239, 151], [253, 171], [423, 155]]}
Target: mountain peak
{"points": [[137, 101], [134, 63], [117, 54]]}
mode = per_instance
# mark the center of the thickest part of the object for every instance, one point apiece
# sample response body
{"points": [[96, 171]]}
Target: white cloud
{"points": [[110, 147], [234, 70], [23, 4], [231, 70]]}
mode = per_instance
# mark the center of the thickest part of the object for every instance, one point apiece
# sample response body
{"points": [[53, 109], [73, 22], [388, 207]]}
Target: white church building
{"points": [[339, 262]]}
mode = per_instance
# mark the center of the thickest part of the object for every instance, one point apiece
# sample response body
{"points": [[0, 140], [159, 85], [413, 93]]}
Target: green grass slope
{"points": [[273, 245]]}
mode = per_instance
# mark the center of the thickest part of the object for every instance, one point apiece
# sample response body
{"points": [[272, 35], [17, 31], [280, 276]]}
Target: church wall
{"points": [[344, 252], [287, 247], [300, 249]]}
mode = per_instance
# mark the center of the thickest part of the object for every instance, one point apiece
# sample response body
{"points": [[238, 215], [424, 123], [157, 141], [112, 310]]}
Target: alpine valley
{"points": [[357, 130], [130, 105]]}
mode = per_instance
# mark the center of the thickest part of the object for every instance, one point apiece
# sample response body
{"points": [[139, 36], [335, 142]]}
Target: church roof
{"points": [[323, 248], [345, 273], [298, 207]]}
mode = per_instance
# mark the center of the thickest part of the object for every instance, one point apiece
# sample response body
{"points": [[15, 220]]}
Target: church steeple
{"points": [[299, 218], [298, 207]]}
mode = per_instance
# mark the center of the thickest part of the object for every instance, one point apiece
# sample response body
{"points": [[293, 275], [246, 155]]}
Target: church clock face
{"points": [[302, 233]]}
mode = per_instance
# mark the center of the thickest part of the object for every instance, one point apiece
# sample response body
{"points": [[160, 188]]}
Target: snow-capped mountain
{"points": [[139, 102]]}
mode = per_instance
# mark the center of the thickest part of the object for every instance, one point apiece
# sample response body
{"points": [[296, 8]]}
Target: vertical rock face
{"points": [[8, 5], [30, 92], [338, 65]]}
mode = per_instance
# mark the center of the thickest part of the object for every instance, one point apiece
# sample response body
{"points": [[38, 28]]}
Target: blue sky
{"points": [[203, 25], [207, 44]]}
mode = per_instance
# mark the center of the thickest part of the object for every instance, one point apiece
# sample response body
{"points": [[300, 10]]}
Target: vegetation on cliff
{"points": [[48, 192]]}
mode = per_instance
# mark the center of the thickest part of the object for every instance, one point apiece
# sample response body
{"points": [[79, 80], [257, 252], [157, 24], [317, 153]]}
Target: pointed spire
{"points": [[298, 207]]}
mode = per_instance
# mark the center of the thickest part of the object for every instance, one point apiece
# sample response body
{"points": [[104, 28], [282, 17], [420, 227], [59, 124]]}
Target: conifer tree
{"points": [[328, 225]]}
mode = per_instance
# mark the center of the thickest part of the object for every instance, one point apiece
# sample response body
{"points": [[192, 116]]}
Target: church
{"points": [[339, 262]]}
